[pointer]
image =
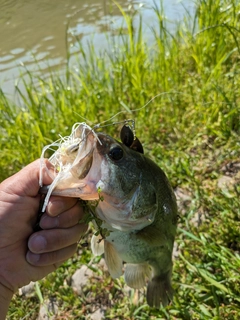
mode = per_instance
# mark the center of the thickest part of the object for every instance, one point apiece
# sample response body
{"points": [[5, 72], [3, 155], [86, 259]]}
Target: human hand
{"points": [[26, 256]]}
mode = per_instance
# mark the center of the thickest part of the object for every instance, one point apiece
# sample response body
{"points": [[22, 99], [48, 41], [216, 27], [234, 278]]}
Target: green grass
{"points": [[191, 129]]}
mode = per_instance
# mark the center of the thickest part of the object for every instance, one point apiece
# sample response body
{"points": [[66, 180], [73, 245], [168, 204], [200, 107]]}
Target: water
{"points": [[33, 33]]}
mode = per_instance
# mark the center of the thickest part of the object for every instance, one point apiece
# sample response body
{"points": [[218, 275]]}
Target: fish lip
{"points": [[70, 192]]}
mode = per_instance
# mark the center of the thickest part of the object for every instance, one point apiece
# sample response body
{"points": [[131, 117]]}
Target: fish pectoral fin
{"points": [[97, 245], [113, 260], [135, 274], [160, 291], [152, 235]]}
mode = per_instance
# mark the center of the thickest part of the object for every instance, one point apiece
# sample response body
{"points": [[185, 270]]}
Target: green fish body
{"points": [[137, 208]]}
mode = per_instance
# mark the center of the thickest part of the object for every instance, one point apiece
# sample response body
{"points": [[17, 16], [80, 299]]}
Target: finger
{"points": [[33, 171], [46, 171], [55, 239], [55, 258], [58, 205], [28, 178], [66, 219]]}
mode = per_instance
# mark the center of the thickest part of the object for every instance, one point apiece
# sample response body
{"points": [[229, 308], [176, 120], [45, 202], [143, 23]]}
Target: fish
{"points": [[132, 202]]}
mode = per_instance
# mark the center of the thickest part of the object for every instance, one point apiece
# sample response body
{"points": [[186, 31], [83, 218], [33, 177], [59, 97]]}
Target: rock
{"points": [[48, 310], [127, 291], [225, 182], [28, 290], [182, 195], [80, 278], [198, 218], [102, 265], [97, 315], [176, 251], [231, 168], [183, 199]]}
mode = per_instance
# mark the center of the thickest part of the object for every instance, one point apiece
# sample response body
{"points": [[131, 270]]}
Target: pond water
{"points": [[33, 33]]}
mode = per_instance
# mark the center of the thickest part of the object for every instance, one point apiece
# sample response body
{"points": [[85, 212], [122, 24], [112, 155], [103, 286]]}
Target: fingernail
{"points": [[37, 243], [54, 207], [32, 257]]}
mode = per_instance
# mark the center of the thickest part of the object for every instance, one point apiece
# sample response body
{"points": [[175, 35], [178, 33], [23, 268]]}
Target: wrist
{"points": [[5, 299]]}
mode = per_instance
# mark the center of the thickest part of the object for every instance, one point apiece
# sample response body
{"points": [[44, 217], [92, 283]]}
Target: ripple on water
{"points": [[31, 30]]}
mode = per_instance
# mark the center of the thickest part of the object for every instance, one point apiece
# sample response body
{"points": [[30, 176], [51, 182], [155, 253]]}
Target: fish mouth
{"points": [[73, 184], [79, 169], [79, 182]]}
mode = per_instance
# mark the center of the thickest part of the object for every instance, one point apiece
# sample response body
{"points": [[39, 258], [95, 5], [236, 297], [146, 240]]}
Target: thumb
{"points": [[26, 181]]}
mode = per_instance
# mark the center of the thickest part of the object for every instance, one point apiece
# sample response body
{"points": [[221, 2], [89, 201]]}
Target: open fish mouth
{"points": [[73, 161]]}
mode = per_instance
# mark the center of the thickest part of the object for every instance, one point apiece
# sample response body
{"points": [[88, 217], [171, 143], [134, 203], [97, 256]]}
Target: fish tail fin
{"points": [[135, 274], [159, 290]]}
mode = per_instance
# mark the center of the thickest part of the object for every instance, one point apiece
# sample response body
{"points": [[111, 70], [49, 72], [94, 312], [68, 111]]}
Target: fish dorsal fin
{"points": [[113, 261], [97, 245], [128, 139], [127, 136], [135, 274], [137, 146]]}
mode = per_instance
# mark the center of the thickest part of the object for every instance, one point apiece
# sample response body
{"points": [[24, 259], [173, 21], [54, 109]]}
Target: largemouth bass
{"points": [[133, 200]]}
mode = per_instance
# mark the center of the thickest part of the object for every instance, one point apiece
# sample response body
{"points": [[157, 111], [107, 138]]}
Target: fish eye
{"points": [[116, 153]]}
